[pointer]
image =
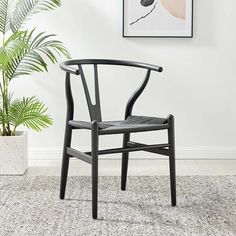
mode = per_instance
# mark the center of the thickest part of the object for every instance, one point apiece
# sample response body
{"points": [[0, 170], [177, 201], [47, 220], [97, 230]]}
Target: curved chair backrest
{"points": [[95, 109]]}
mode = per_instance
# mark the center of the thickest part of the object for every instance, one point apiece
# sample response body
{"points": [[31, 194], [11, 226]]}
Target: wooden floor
{"points": [[136, 167]]}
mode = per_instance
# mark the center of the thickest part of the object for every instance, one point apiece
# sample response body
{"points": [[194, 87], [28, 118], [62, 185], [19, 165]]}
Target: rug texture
{"points": [[31, 206]]}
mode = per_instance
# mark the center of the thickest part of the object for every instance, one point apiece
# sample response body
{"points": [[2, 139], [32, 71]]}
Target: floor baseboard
{"points": [[136, 167], [201, 153], [189, 161]]}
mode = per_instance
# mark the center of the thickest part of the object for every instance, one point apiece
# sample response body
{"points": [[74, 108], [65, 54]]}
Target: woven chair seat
{"points": [[131, 124]]}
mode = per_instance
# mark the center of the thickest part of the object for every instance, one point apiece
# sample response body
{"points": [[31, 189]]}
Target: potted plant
{"points": [[22, 52]]}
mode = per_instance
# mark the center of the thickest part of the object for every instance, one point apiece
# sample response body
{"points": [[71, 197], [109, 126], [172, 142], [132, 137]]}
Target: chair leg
{"points": [[65, 161], [94, 154], [125, 160], [171, 139]]}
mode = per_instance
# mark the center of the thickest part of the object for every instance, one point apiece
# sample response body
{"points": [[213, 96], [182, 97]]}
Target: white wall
{"points": [[198, 84]]}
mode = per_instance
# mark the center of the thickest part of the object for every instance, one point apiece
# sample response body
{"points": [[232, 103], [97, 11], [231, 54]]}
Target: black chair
{"points": [[130, 124]]}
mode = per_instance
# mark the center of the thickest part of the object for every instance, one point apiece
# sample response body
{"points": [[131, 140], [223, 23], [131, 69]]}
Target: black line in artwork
{"points": [[142, 17]]}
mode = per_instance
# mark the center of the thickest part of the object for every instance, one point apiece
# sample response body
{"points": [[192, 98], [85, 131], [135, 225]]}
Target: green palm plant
{"points": [[23, 52]]}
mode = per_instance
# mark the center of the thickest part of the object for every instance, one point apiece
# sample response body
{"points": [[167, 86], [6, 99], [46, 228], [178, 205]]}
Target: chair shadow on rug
{"points": [[145, 210], [97, 127], [136, 207]]}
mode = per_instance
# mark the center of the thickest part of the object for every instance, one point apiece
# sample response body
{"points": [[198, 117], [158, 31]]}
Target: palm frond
{"points": [[1, 117], [32, 58], [1, 112], [11, 49], [29, 112], [6, 9], [26, 8]]}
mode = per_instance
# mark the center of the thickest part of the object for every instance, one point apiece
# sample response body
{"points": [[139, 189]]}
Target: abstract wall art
{"points": [[158, 18]]}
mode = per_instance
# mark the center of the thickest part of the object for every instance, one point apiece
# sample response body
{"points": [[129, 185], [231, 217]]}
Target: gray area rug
{"points": [[31, 206]]}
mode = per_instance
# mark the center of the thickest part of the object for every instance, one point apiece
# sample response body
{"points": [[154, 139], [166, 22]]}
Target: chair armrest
{"points": [[64, 66]]}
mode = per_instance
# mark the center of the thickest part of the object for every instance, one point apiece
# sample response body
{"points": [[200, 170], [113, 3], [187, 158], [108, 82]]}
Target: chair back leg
{"points": [[125, 160], [94, 154], [65, 161], [171, 140]]}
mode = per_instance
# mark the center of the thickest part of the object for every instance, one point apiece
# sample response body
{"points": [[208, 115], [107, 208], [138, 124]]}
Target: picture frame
{"points": [[157, 19]]}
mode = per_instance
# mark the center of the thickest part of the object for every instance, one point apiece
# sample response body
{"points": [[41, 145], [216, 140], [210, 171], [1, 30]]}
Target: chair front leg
{"points": [[65, 161], [125, 160], [94, 153], [171, 139]]}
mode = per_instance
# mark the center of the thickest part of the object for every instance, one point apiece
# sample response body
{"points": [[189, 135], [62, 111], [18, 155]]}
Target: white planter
{"points": [[14, 154]]}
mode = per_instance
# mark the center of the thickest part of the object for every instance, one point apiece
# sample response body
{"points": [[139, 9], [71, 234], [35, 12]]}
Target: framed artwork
{"points": [[158, 18]]}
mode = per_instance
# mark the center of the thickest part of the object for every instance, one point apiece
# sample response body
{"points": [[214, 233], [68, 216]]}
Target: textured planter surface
{"points": [[14, 154]]}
